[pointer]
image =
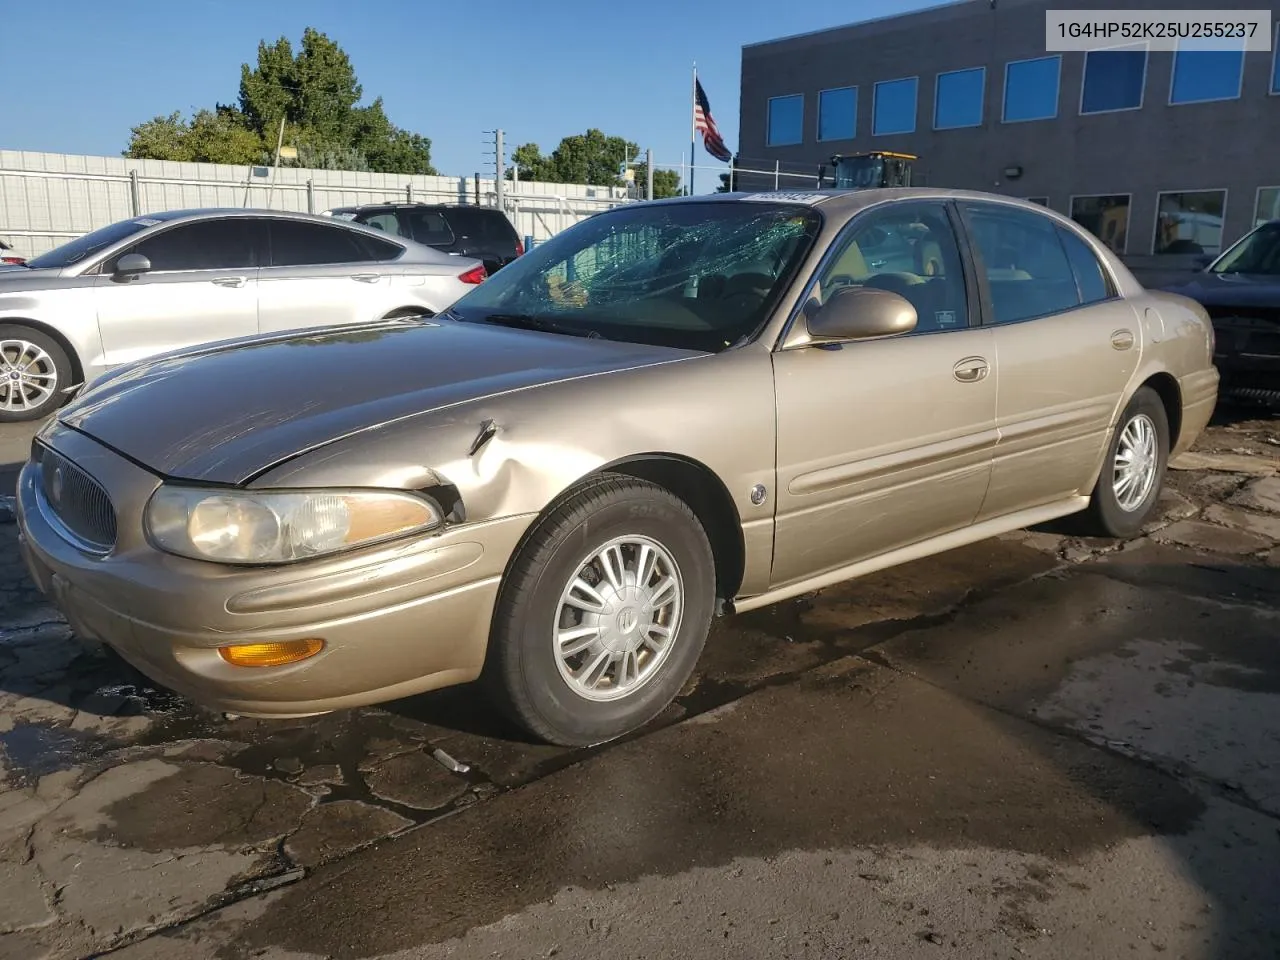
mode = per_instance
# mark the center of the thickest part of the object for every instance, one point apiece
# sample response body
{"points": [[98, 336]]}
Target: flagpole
{"points": [[693, 127]]}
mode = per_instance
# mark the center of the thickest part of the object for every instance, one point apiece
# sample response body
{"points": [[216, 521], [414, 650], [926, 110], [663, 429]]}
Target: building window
{"points": [[1202, 76], [1114, 79], [838, 114], [895, 106], [958, 98], [1189, 222], [1043, 201], [1275, 61], [1267, 206], [1031, 89], [786, 120], [1106, 217]]}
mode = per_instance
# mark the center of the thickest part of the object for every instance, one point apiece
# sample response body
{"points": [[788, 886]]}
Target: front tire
{"points": [[34, 372], [603, 614], [1132, 475]]}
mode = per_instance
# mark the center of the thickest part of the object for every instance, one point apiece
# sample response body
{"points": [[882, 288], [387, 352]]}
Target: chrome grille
{"points": [[77, 501]]}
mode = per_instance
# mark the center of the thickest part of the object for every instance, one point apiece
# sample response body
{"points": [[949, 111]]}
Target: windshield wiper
{"points": [[525, 321]]}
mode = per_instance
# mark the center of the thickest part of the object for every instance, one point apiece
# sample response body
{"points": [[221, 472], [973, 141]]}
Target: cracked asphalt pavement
{"points": [[1037, 746]]}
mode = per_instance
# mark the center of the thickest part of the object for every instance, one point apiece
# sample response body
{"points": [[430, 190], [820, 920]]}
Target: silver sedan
{"points": [[169, 281]]}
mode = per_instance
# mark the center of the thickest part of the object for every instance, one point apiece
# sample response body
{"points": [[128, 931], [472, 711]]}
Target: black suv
{"points": [[482, 233]]}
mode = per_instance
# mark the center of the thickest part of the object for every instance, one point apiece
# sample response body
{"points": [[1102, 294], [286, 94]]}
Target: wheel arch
{"points": [[1166, 388], [706, 495], [73, 355], [408, 310], [690, 481]]}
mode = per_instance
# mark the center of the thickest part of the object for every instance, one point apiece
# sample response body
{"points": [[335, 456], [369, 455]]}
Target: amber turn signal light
{"points": [[270, 654]]}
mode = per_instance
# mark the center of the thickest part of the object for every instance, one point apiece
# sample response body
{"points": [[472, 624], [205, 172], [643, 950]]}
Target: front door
{"points": [[884, 443], [202, 287], [1067, 346]]}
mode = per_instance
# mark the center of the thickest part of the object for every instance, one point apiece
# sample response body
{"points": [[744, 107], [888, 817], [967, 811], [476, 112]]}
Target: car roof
{"points": [[197, 213], [414, 204], [201, 213], [842, 200]]}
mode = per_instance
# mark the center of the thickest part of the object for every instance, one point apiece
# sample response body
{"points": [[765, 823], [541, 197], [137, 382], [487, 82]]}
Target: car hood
{"points": [[225, 413], [16, 279], [1231, 290]]}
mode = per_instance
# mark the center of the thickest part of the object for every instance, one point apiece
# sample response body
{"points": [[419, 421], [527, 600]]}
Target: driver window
{"points": [[911, 251]]}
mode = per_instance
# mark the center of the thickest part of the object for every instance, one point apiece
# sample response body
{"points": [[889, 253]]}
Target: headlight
{"points": [[245, 526]]}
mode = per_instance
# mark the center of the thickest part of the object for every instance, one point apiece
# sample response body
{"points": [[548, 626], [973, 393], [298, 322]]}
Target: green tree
{"points": [[593, 157], [666, 183], [531, 163], [211, 136], [161, 137], [316, 93]]}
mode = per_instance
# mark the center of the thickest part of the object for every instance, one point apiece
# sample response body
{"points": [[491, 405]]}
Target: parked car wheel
{"points": [[34, 370], [603, 614], [1132, 475]]}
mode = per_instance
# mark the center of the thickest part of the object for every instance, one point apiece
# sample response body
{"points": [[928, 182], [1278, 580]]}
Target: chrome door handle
{"points": [[367, 277], [229, 281], [971, 370], [1122, 339]]}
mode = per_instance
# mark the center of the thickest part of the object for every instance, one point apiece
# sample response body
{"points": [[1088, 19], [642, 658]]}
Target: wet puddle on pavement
{"points": [[35, 750]]}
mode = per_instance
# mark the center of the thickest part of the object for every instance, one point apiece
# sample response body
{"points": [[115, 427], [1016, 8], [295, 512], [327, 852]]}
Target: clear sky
{"points": [[77, 74]]}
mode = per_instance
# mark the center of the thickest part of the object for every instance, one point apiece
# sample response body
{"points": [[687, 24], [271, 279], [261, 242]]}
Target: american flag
{"points": [[702, 120]]}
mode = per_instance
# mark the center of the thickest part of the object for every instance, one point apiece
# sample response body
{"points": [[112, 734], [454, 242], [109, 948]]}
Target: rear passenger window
{"points": [[377, 249], [297, 243], [429, 227], [1026, 266], [1091, 279], [385, 221]]}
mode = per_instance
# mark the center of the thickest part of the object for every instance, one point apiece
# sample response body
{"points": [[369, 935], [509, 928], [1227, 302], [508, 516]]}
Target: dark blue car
{"points": [[1241, 292]]}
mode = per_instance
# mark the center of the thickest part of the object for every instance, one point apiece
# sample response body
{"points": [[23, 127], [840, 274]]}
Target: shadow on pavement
{"points": [[951, 736], [980, 701]]}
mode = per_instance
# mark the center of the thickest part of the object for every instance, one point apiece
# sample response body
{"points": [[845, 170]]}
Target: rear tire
{"points": [[34, 372], [578, 665], [1132, 475]]}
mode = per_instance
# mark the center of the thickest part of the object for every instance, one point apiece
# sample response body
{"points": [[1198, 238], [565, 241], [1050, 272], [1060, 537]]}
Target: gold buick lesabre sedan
{"points": [[671, 411]]}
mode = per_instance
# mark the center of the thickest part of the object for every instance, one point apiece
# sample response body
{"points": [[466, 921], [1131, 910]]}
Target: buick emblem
{"points": [[55, 485]]}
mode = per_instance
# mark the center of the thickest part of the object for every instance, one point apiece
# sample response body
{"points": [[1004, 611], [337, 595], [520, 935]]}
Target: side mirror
{"points": [[1202, 261], [859, 313], [130, 265]]}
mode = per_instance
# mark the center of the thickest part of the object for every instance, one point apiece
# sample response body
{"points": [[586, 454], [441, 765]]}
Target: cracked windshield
{"points": [[700, 276], [693, 481]]}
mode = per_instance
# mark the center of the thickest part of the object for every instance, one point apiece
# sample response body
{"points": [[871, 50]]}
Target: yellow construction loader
{"points": [[869, 171]]}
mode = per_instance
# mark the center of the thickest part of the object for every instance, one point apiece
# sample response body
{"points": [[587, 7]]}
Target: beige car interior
{"points": [[935, 285]]}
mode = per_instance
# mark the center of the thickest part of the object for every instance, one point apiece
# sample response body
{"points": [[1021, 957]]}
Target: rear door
{"points": [[320, 275], [1067, 345], [202, 286]]}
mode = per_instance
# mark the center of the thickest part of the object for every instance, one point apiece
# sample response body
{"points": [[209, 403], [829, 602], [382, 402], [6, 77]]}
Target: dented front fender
{"points": [[517, 454]]}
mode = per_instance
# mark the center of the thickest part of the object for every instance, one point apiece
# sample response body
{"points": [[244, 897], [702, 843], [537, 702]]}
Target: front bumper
{"points": [[396, 620]]}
